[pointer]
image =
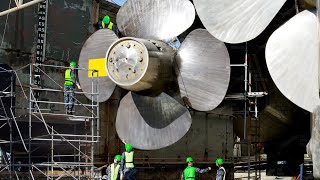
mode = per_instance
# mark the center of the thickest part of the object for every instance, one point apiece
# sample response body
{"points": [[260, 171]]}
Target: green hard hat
{"points": [[219, 161], [189, 159], [106, 19], [128, 147], [73, 64], [117, 157]]}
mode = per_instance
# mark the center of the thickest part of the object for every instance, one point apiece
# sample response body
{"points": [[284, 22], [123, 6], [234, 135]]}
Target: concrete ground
{"points": [[244, 175]]}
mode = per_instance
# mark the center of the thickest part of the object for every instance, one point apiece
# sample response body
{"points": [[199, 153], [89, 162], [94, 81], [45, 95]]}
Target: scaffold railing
{"points": [[251, 125], [79, 163]]}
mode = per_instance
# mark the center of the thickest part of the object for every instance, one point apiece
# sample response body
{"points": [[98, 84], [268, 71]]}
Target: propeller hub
{"points": [[140, 64], [127, 61]]}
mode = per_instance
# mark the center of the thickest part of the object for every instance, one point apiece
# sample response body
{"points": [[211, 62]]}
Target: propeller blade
{"points": [[203, 70], [155, 19], [150, 123], [92, 56], [236, 21], [292, 59]]}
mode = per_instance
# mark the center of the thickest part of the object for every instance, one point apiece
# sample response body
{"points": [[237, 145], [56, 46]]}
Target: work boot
{"points": [[70, 111]]}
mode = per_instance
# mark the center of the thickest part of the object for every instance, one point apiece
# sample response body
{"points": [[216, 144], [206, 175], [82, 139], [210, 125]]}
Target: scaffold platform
{"points": [[41, 142]]}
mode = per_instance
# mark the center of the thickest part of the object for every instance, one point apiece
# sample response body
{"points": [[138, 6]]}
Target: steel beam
{"points": [[20, 6]]}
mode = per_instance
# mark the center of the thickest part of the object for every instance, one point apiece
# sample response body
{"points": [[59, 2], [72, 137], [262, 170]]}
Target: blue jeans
{"points": [[68, 97], [129, 174]]}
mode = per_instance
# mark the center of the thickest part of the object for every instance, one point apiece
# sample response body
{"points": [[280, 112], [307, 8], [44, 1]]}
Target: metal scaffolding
{"points": [[69, 154], [20, 5], [7, 92], [251, 125]]}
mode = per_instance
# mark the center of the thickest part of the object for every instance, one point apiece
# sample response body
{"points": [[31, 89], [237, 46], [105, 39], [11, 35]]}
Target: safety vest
{"points": [[110, 25], [114, 171], [129, 159], [67, 78], [189, 173]]}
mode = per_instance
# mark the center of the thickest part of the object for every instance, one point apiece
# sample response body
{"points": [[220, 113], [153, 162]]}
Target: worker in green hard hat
{"points": [[113, 171], [189, 173], [221, 172], [128, 170], [69, 86], [107, 24]]}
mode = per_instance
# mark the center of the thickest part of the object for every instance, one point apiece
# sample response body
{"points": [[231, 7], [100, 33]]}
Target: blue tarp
{"points": [[119, 2]]}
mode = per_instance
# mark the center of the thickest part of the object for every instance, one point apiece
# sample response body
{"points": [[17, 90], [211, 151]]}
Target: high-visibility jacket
{"points": [[110, 25], [114, 171], [129, 159], [189, 173], [67, 78]]}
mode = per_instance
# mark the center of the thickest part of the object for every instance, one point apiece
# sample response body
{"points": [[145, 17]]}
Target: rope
{"points": [[5, 27], [177, 67]]}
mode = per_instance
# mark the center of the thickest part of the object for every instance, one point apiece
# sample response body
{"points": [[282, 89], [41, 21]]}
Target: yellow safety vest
{"points": [[114, 171], [129, 159], [67, 78], [110, 25]]}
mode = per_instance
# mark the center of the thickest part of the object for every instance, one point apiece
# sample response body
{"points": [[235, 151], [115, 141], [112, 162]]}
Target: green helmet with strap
{"points": [[73, 64], [128, 147], [219, 161], [189, 159], [106, 20], [118, 157]]}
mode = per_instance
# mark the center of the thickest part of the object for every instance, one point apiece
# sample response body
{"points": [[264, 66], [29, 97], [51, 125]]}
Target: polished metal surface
{"points": [[139, 64], [236, 21], [150, 123], [203, 70], [292, 59], [127, 61], [313, 147], [95, 47], [155, 19]]}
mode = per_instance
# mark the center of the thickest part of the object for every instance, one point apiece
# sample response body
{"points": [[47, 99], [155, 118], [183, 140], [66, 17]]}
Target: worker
{"points": [[113, 171], [106, 23], [221, 172], [173, 42], [69, 86], [190, 172], [128, 170]]}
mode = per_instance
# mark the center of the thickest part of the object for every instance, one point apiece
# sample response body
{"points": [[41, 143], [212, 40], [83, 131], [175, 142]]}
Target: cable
{"points": [[177, 67], [5, 26]]}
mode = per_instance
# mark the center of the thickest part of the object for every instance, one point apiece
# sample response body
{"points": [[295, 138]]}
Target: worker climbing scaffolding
{"points": [[69, 86]]}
